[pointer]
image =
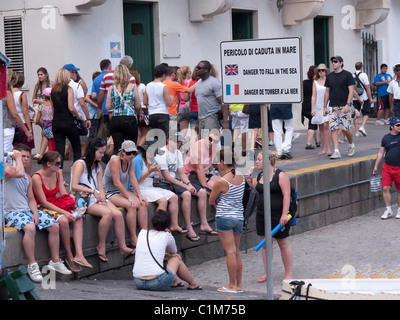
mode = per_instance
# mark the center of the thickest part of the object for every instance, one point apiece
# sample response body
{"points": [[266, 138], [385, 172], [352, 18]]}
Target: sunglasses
{"points": [[57, 163], [199, 68], [129, 153], [335, 61], [397, 125], [321, 70]]}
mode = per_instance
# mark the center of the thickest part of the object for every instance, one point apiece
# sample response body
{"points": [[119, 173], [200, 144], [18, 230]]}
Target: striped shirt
{"points": [[108, 80], [230, 204]]}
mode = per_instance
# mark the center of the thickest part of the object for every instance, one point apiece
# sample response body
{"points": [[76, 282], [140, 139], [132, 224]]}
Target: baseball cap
{"points": [[128, 146], [70, 67], [394, 120], [46, 92], [338, 58]]}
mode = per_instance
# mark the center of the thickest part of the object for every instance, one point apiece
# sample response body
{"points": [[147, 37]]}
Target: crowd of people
{"points": [[162, 143]]}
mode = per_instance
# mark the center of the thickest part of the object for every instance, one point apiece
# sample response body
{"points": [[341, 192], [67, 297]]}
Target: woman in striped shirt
{"points": [[226, 195]]}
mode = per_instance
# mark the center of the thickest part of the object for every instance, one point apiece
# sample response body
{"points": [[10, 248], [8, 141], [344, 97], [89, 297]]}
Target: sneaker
{"points": [[363, 132], [387, 121], [398, 213], [335, 155], [286, 155], [271, 143], [358, 134], [351, 151], [34, 272], [387, 214], [259, 141], [59, 267], [380, 122]]}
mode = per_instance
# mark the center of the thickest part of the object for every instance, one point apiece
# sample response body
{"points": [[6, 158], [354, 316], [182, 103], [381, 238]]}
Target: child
{"points": [[44, 118]]}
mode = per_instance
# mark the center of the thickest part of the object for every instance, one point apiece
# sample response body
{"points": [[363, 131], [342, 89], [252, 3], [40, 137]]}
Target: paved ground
{"points": [[367, 244]]}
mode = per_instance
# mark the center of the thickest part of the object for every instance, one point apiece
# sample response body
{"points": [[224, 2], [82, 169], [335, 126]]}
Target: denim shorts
{"points": [[227, 224], [159, 283], [193, 115]]}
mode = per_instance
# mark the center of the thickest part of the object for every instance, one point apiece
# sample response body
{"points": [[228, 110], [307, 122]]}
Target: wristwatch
{"points": [[349, 104]]}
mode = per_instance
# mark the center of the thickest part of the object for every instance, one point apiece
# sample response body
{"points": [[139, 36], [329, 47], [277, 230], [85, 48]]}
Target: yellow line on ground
{"points": [[331, 165]]}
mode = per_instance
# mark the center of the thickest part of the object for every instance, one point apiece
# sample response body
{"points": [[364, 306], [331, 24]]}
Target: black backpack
{"points": [[250, 201], [359, 87]]}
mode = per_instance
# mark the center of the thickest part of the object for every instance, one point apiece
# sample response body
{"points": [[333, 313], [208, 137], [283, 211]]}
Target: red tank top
{"points": [[51, 195]]}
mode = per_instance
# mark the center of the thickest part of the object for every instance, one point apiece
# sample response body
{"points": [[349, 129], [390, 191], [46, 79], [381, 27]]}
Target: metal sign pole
{"points": [[267, 202]]}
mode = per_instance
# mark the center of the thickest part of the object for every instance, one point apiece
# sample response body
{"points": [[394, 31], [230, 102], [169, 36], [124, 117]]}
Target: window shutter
{"points": [[14, 43]]}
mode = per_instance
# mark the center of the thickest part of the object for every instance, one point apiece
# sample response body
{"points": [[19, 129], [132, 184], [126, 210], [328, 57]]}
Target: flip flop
{"points": [[192, 238], [262, 279], [196, 288], [130, 254], [73, 270], [182, 231], [209, 233], [102, 258], [179, 285], [83, 264], [225, 290]]}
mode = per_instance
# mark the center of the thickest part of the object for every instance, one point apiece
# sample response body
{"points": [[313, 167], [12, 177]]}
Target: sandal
{"points": [[193, 239]]}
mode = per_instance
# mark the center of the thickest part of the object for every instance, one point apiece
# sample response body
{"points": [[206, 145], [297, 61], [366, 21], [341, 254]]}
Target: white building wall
{"points": [[84, 40]]}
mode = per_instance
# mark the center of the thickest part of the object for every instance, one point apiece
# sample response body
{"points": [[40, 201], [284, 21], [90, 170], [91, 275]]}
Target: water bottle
{"points": [[156, 177], [76, 214]]}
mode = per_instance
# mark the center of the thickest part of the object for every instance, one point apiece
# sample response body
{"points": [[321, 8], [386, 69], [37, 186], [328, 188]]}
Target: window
{"points": [[13, 42]]}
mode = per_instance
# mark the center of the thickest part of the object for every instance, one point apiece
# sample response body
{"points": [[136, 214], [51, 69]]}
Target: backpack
{"points": [[359, 87], [293, 196], [250, 201]]}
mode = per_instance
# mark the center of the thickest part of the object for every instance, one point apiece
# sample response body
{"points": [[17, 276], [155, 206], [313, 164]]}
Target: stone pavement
{"points": [[366, 244]]}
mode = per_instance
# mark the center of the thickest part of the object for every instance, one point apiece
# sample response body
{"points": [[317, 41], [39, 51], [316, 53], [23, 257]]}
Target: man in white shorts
{"points": [[339, 93]]}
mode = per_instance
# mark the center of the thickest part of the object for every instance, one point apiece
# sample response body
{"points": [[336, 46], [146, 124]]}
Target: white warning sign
{"points": [[262, 71]]}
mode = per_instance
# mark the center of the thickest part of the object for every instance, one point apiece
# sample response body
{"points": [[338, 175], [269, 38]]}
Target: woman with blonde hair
{"points": [[280, 202], [62, 100], [317, 108], [123, 98]]}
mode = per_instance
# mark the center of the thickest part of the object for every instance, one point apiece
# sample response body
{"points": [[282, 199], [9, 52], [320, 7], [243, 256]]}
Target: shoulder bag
{"points": [[148, 245]]}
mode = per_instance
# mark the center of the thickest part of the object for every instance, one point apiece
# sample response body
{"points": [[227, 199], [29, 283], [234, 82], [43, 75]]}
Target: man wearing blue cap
{"points": [[390, 149]]}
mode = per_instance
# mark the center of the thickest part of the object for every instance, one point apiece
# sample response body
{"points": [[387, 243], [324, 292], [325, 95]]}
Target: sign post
{"points": [[262, 71]]}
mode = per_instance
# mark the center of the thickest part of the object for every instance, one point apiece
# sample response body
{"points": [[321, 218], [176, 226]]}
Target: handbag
{"points": [[85, 196], [164, 185], [81, 126], [246, 109]]}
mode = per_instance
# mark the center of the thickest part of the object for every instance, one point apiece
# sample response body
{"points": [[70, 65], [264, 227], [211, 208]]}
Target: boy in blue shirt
{"points": [[382, 81]]}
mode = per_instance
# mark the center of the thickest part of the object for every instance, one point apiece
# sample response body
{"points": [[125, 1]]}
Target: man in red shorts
{"points": [[390, 149]]}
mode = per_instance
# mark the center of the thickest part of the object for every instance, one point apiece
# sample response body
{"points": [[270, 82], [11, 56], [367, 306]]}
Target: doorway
{"points": [[321, 41], [242, 24], [139, 37]]}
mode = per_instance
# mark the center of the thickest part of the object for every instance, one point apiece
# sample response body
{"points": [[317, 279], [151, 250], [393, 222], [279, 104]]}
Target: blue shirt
{"points": [[96, 88], [382, 89], [391, 143]]}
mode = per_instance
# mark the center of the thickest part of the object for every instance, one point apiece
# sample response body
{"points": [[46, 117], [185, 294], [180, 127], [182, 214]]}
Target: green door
{"points": [[139, 40], [242, 24], [321, 41]]}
